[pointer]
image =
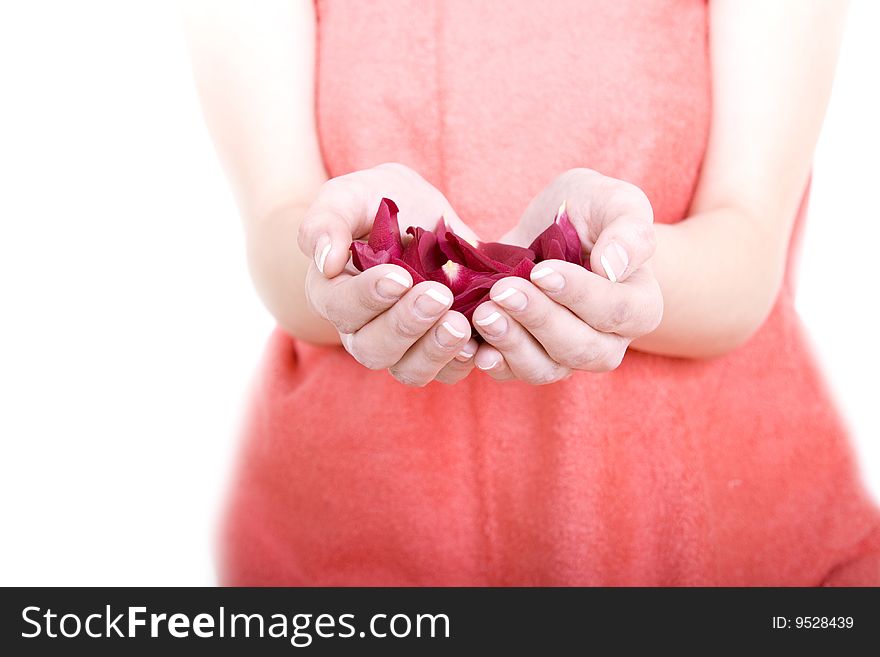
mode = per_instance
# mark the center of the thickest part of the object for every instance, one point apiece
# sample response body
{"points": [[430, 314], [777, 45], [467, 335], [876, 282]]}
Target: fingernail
{"points": [[488, 367], [614, 261], [464, 354], [511, 298], [392, 285], [322, 250], [493, 324], [431, 303], [548, 279], [560, 212], [448, 335]]}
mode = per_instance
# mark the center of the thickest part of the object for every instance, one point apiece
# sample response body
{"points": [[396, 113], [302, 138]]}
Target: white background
{"points": [[128, 329]]}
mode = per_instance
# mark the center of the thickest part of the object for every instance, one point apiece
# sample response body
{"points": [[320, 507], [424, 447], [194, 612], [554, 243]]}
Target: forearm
{"points": [[721, 269], [254, 67], [278, 269], [720, 272]]}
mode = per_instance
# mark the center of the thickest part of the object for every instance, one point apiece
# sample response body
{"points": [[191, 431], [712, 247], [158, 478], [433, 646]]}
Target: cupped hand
{"points": [[384, 321], [568, 318]]}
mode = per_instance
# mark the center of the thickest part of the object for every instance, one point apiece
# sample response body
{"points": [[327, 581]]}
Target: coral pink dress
{"points": [[731, 471]]}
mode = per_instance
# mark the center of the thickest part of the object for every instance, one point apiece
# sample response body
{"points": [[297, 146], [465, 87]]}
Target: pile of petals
{"points": [[469, 270]]}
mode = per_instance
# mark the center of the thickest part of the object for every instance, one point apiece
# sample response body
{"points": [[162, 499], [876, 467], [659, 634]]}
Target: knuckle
{"points": [[586, 357], [620, 313], [370, 362], [407, 328], [547, 375], [452, 373], [573, 296], [372, 303], [343, 324], [365, 357], [610, 360], [646, 234], [536, 319], [408, 378], [438, 355]]}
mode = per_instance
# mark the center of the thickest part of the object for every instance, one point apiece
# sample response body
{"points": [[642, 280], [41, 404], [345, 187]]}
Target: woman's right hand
{"points": [[384, 321]]}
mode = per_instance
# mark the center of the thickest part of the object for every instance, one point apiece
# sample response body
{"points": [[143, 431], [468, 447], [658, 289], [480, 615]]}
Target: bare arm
{"points": [[254, 63], [254, 66], [721, 269]]}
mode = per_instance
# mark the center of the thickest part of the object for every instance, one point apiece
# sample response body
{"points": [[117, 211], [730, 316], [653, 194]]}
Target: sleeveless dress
{"points": [[730, 471]]}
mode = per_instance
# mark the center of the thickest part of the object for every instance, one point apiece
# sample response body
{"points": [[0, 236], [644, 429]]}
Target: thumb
{"points": [[622, 247], [325, 236], [626, 239]]}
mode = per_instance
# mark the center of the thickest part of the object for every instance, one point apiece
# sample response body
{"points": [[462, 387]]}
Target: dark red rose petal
{"points": [[384, 243], [560, 241], [469, 271], [423, 252], [363, 256], [507, 254], [417, 276], [483, 256], [385, 233]]}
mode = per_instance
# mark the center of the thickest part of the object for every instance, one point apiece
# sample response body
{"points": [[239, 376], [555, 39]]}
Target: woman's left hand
{"points": [[568, 318]]}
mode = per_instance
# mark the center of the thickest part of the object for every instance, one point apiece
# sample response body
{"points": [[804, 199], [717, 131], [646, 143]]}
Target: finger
{"points": [[460, 366], [455, 371], [468, 350], [626, 238], [491, 361], [433, 351], [565, 337], [325, 236], [526, 358], [381, 343], [349, 302], [342, 211], [632, 308]]}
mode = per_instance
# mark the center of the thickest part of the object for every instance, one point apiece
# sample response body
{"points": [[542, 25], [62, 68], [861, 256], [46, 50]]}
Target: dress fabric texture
{"points": [[730, 471]]}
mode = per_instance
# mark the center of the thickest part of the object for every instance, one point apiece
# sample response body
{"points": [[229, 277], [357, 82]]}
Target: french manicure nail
{"points": [[464, 354], [392, 285], [493, 324], [548, 279], [614, 261], [322, 250], [448, 335], [488, 367], [431, 303], [512, 298]]}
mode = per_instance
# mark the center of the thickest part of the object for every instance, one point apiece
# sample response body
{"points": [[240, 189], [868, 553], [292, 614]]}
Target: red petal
{"points": [[363, 256], [459, 278], [574, 252], [507, 254], [523, 269], [477, 258], [416, 276], [385, 232], [477, 292], [559, 241], [422, 252]]}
